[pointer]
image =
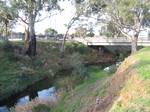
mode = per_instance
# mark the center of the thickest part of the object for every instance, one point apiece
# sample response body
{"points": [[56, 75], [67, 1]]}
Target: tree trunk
{"points": [[6, 30], [134, 44], [62, 49], [31, 51]]}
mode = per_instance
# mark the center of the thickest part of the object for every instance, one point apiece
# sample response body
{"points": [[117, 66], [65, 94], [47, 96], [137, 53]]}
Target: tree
{"points": [[127, 16], [69, 25], [7, 15], [80, 32], [110, 30], [50, 31], [90, 33], [31, 10], [79, 12]]}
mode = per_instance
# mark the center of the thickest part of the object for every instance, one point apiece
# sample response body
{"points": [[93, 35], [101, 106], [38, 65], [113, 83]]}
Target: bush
{"points": [[7, 46], [76, 73], [76, 47], [37, 61], [68, 83], [41, 108], [76, 62], [8, 49]]}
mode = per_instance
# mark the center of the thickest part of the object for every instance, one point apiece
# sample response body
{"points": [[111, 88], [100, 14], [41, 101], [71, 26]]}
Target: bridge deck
{"points": [[95, 41]]}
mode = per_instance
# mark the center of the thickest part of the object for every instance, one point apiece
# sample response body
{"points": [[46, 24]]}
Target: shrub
{"points": [[7, 46], [8, 49], [68, 83], [76, 62], [76, 47], [41, 108]]}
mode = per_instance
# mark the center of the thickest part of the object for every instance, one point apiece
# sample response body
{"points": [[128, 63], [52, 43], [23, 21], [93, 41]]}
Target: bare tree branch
{"points": [[25, 21], [48, 16], [71, 22]]}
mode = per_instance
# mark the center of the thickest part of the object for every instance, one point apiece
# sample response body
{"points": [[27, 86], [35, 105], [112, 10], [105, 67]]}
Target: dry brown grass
{"points": [[116, 83], [134, 88], [50, 102]]}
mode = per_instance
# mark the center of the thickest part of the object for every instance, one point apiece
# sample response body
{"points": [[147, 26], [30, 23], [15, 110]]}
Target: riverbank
{"points": [[125, 91], [86, 94], [77, 98], [18, 71], [134, 95]]}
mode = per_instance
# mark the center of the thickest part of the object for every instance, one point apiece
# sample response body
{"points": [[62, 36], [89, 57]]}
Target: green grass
{"points": [[17, 71], [84, 94], [143, 67], [140, 101], [41, 108]]}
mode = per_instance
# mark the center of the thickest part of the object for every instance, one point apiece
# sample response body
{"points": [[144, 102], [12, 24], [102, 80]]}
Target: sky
{"points": [[56, 22]]}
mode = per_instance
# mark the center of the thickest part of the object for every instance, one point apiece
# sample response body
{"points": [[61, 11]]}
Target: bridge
{"points": [[117, 41]]}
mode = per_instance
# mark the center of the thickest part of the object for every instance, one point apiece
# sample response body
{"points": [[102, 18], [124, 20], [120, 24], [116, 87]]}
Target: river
{"points": [[41, 90]]}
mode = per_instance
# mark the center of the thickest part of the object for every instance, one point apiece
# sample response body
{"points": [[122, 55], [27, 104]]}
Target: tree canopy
{"points": [[7, 15], [50, 31], [28, 12], [128, 16]]}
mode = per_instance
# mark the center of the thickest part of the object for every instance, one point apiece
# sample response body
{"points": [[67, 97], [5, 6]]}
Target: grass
{"points": [[17, 71], [132, 96], [135, 95], [41, 108], [85, 94]]}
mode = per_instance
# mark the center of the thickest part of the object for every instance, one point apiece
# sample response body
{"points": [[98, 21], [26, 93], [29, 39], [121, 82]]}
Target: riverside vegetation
{"points": [[85, 88], [18, 71], [125, 91]]}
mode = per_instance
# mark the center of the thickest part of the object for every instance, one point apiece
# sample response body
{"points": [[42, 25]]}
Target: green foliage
{"points": [[36, 5], [7, 46], [108, 34], [77, 72], [8, 49], [41, 108], [76, 47], [7, 16], [81, 96], [113, 29], [90, 34], [51, 32], [96, 5], [125, 7], [126, 15], [143, 68], [127, 10], [17, 71], [137, 101], [80, 32], [76, 63], [68, 83], [138, 105]]}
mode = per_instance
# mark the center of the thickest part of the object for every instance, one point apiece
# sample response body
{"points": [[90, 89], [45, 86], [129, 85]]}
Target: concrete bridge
{"points": [[117, 41]]}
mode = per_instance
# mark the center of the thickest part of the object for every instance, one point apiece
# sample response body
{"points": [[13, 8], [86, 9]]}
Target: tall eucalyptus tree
{"points": [[31, 9], [127, 15], [6, 16]]}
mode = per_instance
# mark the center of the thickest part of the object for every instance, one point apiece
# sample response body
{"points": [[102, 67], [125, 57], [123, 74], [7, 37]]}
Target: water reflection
{"points": [[45, 94], [4, 109], [23, 100]]}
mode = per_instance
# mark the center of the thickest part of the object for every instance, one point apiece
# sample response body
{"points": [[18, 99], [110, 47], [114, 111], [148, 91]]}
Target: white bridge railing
{"points": [[111, 41]]}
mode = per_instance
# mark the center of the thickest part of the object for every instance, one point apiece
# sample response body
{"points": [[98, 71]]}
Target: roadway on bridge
{"points": [[101, 41]]}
